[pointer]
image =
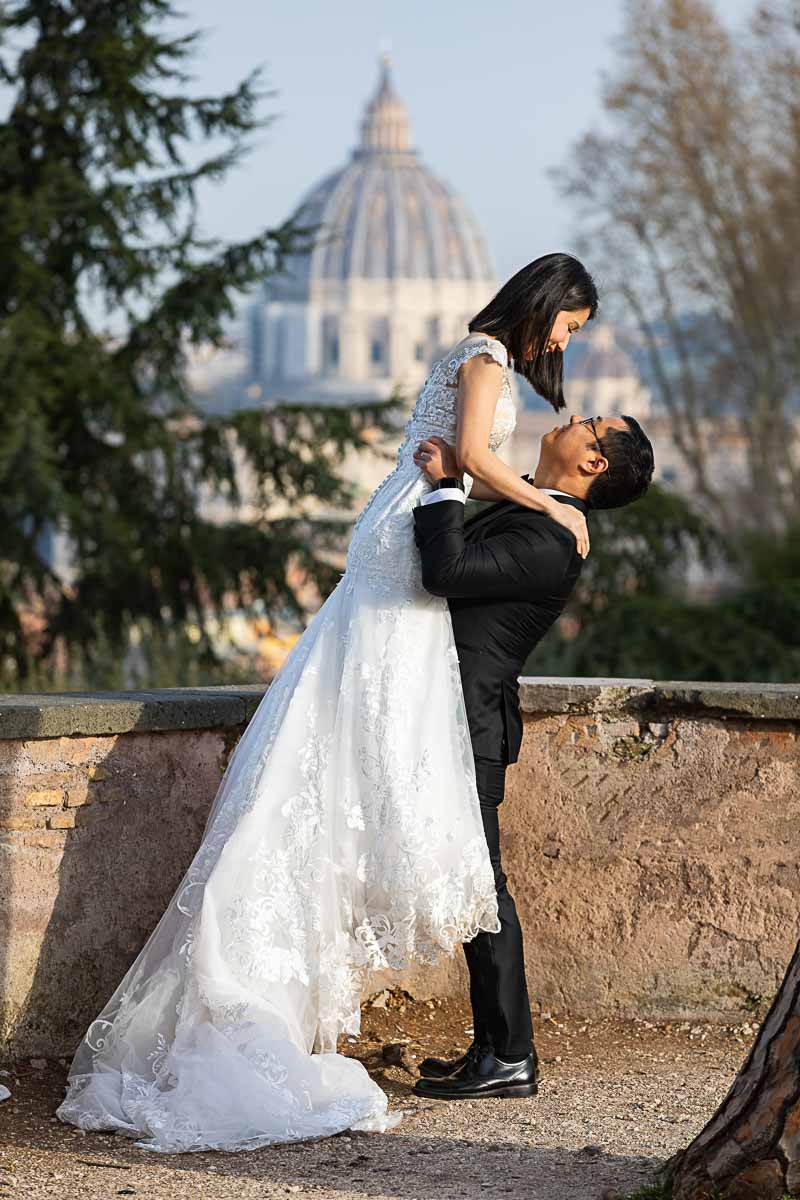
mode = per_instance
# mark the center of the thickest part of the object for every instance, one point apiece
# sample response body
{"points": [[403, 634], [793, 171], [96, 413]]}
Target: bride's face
{"points": [[565, 324]]}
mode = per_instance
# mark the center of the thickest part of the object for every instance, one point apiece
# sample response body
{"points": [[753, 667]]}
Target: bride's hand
{"points": [[575, 522]]}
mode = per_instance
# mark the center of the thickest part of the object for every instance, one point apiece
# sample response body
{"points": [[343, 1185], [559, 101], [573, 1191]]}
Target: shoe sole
{"points": [[512, 1092]]}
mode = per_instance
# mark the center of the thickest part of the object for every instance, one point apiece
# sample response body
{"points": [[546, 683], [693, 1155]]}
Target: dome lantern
{"points": [[385, 127]]}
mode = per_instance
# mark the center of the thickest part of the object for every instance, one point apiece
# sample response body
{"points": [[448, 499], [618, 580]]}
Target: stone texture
{"points": [[38, 752], [78, 750], [651, 847], [675, 888], [65, 717], [78, 899], [47, 798], [79, 795], [61, 820], [96, 713], [14, 824], [767, 701]]}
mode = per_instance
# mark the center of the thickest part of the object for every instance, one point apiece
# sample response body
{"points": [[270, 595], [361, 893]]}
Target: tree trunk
{"points": [[750, 1149]]}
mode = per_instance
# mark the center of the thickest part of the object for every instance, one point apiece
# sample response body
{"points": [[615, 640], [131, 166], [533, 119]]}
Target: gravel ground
{"points": [[617, 1099]]}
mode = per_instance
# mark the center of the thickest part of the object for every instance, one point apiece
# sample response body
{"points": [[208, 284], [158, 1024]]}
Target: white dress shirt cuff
{"points": [[444, 494]]}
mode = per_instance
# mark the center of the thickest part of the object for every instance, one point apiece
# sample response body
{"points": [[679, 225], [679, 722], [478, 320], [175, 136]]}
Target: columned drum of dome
{"points": [[398, 267]]}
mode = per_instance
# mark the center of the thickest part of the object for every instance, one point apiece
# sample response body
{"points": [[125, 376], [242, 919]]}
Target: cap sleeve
{"points": [[488, 346]]}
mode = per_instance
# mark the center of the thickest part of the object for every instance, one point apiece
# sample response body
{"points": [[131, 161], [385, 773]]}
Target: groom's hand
{"points": [[436, 458]]}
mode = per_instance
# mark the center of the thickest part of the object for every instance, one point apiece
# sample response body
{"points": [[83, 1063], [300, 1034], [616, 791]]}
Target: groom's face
{"points": [[573, 450]]}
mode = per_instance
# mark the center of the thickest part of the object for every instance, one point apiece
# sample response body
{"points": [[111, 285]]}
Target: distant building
{"points": [[602, 378], [398, 268]]}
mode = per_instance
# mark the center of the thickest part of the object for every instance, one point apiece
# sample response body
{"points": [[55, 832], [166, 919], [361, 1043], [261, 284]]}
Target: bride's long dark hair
{"points": [[522, 313]]}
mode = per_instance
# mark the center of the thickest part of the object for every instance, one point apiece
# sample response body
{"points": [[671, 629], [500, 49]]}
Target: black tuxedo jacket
{"points": [[507, 575]]}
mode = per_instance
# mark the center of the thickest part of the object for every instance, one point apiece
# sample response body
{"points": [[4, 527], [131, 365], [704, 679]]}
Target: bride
{"points": [[345, 834]]}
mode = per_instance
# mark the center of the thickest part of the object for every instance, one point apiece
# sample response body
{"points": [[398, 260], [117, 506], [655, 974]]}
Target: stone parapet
{"points": [[65, 714], [649, 835], [637, 697]]}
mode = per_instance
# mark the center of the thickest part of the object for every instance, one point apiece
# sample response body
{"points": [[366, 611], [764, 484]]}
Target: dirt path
{"points": [[617, 1098]]}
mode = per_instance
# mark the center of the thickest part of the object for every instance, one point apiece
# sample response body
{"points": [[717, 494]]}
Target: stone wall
{"points": [[650, 834]]}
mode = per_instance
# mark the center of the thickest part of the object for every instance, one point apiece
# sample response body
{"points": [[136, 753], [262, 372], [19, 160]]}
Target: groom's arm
{"points": [[524, 561]]}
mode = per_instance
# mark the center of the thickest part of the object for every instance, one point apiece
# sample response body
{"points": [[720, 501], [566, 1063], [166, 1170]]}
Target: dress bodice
{"points": [[382, 548], [435, 413]]}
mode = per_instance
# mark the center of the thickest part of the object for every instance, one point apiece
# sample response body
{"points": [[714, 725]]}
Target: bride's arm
{"points": [[482, 491], [437, 458], [479, 383]]}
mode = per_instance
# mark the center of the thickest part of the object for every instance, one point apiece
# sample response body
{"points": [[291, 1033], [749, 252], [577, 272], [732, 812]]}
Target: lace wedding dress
{"points": [[345, 835]]}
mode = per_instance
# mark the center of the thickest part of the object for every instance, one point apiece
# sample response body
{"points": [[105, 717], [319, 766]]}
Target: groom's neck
{"points": [[552, 479]]}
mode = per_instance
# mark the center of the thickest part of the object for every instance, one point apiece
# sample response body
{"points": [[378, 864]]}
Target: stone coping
{"points": [[637, 697], [59, 714]]}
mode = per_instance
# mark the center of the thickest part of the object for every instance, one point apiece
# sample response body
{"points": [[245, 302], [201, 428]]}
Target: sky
{"points": [[497, 94]]}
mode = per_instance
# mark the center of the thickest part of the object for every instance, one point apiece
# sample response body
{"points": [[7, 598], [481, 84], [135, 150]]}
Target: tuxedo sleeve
{"points": [[525, 560]]}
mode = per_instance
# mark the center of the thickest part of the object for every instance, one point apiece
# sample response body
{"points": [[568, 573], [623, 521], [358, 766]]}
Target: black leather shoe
{"points": [[438, 1068], [482, 1075]]}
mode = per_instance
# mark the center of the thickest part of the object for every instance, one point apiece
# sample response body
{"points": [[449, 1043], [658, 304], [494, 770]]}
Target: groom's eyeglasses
{"points": [[590, 421]]}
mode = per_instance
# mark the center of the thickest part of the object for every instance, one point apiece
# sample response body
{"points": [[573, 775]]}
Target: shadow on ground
{"points": [[439, 1152]]}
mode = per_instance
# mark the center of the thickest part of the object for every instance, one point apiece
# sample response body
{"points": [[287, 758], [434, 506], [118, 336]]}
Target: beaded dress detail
{"points": [[345, 835]]}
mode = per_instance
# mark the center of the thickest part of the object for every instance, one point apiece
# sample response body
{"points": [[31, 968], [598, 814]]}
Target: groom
{"points": [[507, 575]]}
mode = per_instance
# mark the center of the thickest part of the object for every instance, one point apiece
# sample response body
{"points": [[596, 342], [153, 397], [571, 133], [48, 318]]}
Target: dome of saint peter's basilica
{"points": [[398, 266]]}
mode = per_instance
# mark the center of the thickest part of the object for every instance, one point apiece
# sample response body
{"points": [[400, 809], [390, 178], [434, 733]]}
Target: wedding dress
{"points": [[345, 835]]}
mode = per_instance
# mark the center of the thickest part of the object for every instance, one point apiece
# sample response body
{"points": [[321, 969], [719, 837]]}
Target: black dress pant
{"points": [[498, 991]]}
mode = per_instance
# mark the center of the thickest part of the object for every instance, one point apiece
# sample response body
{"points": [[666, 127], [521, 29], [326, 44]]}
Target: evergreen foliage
{"points": [[107, 282], [630, 617]]}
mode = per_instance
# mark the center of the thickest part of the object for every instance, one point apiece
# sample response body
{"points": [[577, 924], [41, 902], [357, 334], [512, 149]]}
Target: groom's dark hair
{"points": [[630, 467]]}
